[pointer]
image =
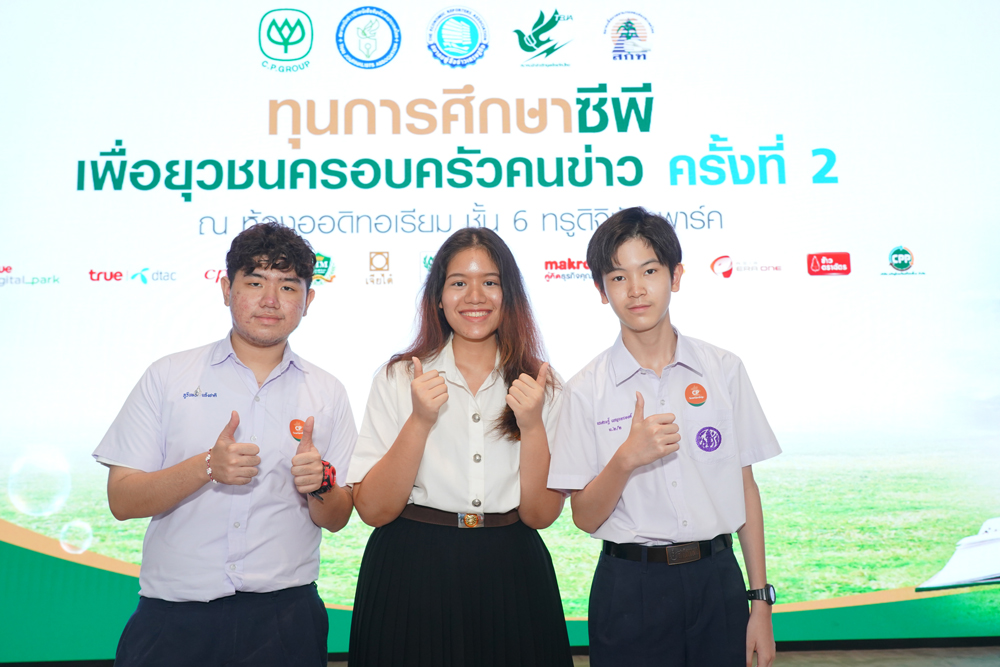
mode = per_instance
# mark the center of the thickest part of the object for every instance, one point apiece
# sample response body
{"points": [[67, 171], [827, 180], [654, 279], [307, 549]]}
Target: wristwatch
{"points": [[767, 594]]}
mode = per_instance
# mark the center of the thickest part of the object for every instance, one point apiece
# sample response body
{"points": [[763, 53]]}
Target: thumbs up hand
{"points": [[649, 439], [307, 466], [234, 462], [428, 392], [526, 397]]}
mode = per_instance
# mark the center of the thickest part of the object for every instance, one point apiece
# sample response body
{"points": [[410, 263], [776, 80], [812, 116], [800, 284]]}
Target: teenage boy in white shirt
{"points": [[655, 443], [231, 555]]}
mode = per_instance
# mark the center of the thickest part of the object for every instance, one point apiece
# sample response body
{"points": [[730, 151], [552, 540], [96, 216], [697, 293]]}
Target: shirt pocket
{"points": [[707, 435]]}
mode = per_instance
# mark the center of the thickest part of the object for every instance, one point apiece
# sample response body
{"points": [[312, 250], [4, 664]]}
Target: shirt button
{"points": [[662, 402], [236, 525], [257, 398], [685, 523], [475, 417], [253, 438], [673, 483], [476, 502], [232, 566], [477, 458]]}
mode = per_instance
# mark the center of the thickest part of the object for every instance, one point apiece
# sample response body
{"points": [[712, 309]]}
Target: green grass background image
{"points": [[836, 525]]}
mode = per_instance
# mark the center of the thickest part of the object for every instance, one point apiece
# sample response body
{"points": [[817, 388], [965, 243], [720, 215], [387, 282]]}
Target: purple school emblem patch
{"points": [[709, 439]]}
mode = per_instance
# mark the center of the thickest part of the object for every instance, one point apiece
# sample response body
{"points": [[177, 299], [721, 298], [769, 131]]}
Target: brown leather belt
{"points": [[458, 519], [671, 554]]}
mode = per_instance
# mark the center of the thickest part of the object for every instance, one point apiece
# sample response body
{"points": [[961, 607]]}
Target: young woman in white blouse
{"points": [[451, 467]]}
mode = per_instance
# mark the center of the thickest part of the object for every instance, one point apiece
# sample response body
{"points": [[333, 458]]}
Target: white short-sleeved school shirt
{"points": [[467, 466], [225, 538], [693, 494]]}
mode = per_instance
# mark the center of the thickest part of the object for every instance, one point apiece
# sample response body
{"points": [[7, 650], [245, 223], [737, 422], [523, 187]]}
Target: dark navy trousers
{"points": [[286, 628], [690, 615]]}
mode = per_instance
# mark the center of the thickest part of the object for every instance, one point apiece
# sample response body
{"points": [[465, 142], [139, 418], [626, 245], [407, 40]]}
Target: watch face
{"points": [[772, 595]]}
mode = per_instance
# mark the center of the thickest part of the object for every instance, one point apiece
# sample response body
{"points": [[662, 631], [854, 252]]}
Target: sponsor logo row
{"points": [[370, 37], [900, 260]]}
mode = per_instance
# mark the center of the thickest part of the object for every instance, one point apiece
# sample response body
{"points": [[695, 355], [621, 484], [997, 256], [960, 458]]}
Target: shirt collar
{"points": [[224, 350], [444, 363], [623, 364]]}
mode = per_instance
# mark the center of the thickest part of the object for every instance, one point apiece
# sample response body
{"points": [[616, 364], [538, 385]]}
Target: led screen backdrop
{"points": [[829, 168]]}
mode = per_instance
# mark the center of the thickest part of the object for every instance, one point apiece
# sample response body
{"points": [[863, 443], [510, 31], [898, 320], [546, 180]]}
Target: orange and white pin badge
{"points": [[297, 426], [695, 395]]}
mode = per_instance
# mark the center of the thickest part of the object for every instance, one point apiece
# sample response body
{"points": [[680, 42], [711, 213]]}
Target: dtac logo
{"points": [[829, 264], [160, 276]]}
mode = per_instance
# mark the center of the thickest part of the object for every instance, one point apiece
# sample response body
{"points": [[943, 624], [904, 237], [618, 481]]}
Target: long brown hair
{"points": [[518, 339]]}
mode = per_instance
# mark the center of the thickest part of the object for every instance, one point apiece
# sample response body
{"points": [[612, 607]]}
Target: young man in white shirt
{"points": [[655, 443], [233, 449]]}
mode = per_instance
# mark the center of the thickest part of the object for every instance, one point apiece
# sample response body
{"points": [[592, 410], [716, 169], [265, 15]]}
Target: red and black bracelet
{"points": [[329, 480]]}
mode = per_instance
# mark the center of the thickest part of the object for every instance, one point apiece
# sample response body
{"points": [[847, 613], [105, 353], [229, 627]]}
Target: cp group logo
{"points": [[901, 261], [630, 35], [8, 279], [285, 36], [829, 263], [545, 37], [368, 37], [457, 36]]}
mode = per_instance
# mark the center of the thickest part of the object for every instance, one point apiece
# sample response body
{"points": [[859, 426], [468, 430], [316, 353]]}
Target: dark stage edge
{"points": [[839, 645]]}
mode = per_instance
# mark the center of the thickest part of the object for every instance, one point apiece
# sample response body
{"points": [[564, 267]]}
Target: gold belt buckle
{"points": [[470, 520], [679, 554]]}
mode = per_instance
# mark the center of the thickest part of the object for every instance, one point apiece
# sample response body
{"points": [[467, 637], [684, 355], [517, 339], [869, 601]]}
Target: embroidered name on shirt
{"points": [[198, 393], [613, 422]]}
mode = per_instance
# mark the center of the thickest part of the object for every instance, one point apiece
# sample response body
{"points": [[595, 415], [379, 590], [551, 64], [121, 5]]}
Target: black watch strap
{"points": [[767, 594]]}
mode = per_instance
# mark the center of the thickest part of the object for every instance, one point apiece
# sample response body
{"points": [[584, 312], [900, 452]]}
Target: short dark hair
{"points": [[627, 224], [270, 245]]}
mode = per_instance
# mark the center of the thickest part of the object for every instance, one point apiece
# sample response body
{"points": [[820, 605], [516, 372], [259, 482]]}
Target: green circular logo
{"points": [[901, 258]]}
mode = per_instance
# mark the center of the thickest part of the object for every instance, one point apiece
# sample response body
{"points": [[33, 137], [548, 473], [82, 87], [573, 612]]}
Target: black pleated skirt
{"points": [[452, 597]]}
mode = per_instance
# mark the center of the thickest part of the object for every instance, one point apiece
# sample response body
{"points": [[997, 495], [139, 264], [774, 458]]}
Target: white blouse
{"points": [[467, 466]]}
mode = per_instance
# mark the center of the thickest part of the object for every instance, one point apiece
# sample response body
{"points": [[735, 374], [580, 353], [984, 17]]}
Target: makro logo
{"points": [[723, 266], [901, 260], [539, 43], [368, 37], [630, 34], [325, 270], [829, 263], [7, 279], [567, 269], [285, 36]]}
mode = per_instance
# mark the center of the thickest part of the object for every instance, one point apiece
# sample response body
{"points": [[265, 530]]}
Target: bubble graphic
{"points": [[76, 536], [39, 483]]}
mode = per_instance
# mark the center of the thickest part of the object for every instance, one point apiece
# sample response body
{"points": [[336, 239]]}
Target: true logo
{"points": [[695, 395], [709, 439], [368, 37], [457, 37], [285, 36]]}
